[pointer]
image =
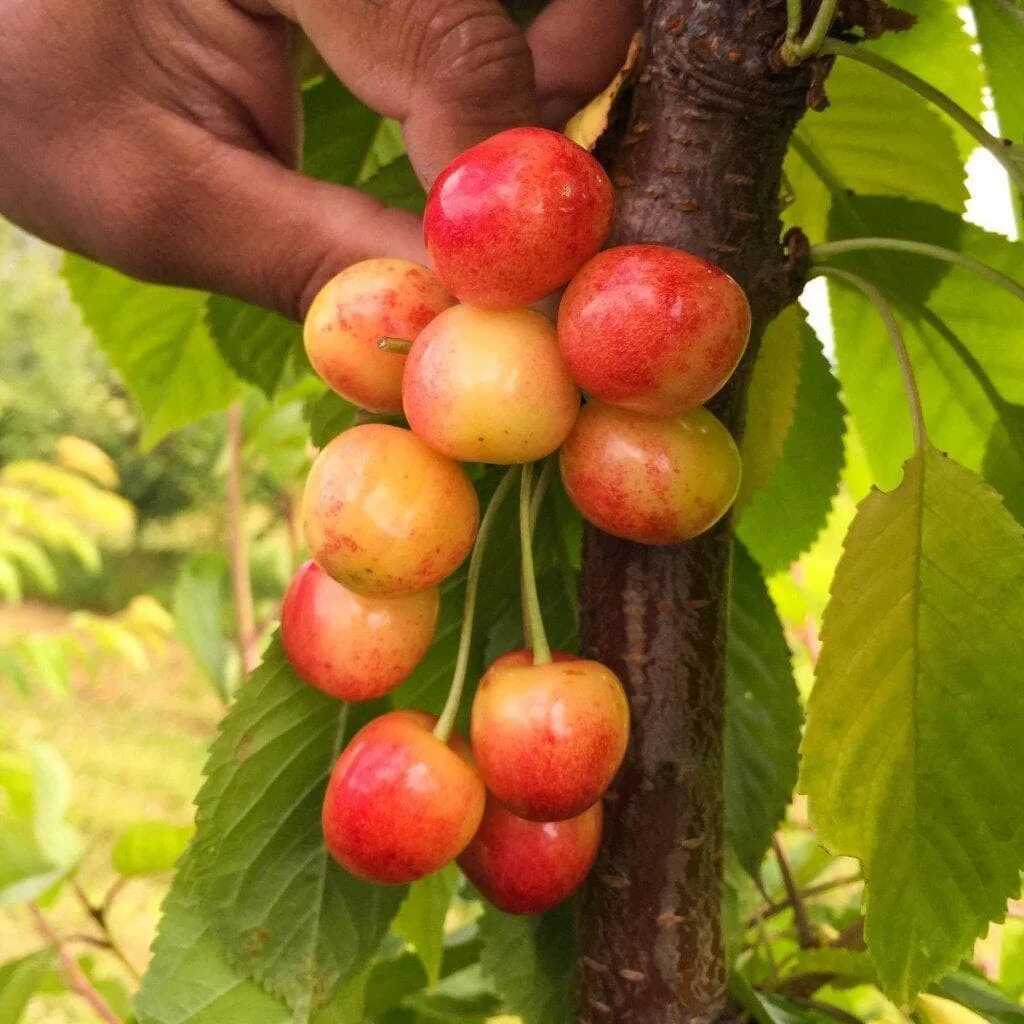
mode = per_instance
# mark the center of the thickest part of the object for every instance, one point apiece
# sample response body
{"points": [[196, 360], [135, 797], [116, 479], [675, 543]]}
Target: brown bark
{"points": [[697, 165]]}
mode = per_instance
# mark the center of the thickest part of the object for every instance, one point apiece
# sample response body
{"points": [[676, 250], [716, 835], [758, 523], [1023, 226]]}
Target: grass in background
{"points": [[135, 747]]}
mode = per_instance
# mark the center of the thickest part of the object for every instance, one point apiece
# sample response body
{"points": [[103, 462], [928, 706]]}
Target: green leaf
{"points": [[999, 34], [959, 413], [912, 278], [12, 668], [939, 29], [427, 688], [986, 316], [158, 341], [149, 847], [932, 1009], [848, 966], [33, 559], [772, 1009], [462, 998], [282, 909], [276, 448], [771, 402], [37, 845], [912, 758], [387, 146], [420, 919], [340, 132], [530, 961], [254, 342], [189, 980], [980, 995], [1011, 959], [391, 980], [763, 718], [20, 980], [10, 581], [785, 517], [396, 185], [329, 415], [47, 656], [199, 593], [861, 143]]}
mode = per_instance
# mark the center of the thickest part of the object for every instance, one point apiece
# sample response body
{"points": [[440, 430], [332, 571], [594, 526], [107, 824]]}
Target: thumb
{"points": [[259, 231]]}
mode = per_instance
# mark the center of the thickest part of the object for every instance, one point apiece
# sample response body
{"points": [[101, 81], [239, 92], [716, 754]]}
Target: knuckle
{"points": [[473, 51]]}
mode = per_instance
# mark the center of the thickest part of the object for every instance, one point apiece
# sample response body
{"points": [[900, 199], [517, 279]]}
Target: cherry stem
{"points": [[794, 50], [881, 304], [935, 252], [531, 600], [794, 17], [446, 722], [541, 488], [1002, 149], [540, 491], [398, 346]]}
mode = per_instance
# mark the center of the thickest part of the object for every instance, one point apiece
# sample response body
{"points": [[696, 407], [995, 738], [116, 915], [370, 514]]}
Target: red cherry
{"points": [[384, 514], [651, 479], [489, 386], [381, 298], [526, 867], [513, 218], [349, 646], [400, 803], [548, 739], [652, 329]]}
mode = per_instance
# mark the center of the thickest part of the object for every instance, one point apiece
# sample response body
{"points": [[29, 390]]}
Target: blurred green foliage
{"points": [[54, 380]]}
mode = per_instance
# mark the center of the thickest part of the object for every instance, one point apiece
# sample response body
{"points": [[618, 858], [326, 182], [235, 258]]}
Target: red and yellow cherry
{"points": [[651, 479], [652, 329], [524, 656], [384, 514], [400, 803], [380, 298], [548, 739], [526, 867], [513, 218], [489, 386], [354, 647]]}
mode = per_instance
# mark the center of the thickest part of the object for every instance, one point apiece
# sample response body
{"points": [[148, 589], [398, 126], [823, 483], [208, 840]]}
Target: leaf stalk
{"points": [[881, 304]]}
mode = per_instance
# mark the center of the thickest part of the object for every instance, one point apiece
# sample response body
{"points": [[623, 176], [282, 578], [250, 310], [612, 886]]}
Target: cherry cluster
{"points": [[648, 333]]}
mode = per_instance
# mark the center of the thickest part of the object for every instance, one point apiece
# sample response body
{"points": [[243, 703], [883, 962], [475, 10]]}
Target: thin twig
{"points": [[812, 890], [241, 582], [112, 893], [907, 245], [796, 50], [73, 974], [794, 19], [804, 928], [445, 724], [99, 916], [87, 940]]}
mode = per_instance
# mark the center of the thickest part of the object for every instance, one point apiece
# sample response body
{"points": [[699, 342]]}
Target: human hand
{"points": [[160, 136]]}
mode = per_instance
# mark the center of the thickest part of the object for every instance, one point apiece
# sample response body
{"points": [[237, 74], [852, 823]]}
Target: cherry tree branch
{"points": [[74, 976]]}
